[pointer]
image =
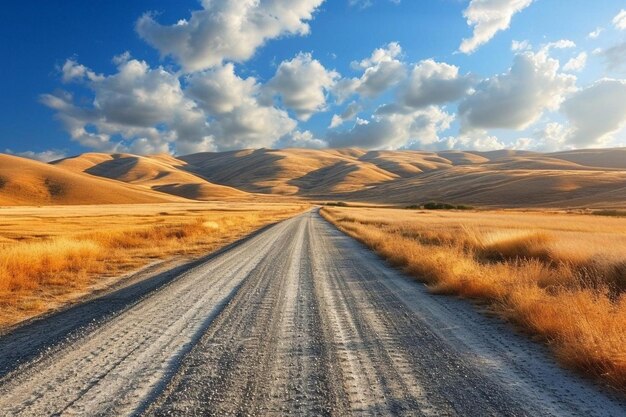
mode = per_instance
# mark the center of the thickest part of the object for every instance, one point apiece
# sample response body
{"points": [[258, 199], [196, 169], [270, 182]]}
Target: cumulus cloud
{"points": [[147, 110], [237, 115], [250, 126], [478, 141], [381, 71], [560, 44], [619, 21], [145, 106], [549, 138], [220, 90], [432, 82], [348, 114], [488, 17], [43, 156], [596, 112], [518, 97], [392, 128], [302, 84], [577, 63], [298, 139], [386, 54], [226, 30], [73, 71]]}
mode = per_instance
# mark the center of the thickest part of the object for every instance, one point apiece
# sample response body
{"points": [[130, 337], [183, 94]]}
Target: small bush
{"points": [[610, 213], [433, 205]]}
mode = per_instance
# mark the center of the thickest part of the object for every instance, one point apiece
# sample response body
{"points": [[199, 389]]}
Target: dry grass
{"points": [[51, 255], [561, 277]]}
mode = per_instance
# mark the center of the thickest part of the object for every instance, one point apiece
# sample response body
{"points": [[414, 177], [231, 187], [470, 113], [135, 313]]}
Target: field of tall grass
{"points": [[51, 255], [559, 277]]}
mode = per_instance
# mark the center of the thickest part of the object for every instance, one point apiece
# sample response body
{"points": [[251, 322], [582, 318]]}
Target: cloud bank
{"points": [[199, 101]]}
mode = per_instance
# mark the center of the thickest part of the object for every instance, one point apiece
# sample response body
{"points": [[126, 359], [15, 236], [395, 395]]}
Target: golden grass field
{"points": [[560, 277], [52, 255]]}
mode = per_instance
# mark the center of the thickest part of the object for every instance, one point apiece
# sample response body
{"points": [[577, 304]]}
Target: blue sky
{"points": [[118, 77]]}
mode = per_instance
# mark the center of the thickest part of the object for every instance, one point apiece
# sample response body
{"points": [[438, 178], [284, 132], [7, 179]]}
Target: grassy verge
{"points": [[562, 279], [48, 260]]}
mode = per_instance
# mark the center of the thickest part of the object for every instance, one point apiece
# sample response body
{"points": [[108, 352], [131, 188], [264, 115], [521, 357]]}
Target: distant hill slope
{"points": [[505, 178], [499, 187], [496, 178], [27, 182], [289, 171], [600, 158], [160, 173]]}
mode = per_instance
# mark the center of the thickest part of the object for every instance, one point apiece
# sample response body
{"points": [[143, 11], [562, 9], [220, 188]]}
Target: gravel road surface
{"points": [[297, 320]]}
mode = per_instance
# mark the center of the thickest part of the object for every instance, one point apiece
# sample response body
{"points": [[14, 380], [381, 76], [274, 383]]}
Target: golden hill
{"points": [[27, 182], [289, 171], [506, 178], [600, 158], [162, 173], [499, 187]]}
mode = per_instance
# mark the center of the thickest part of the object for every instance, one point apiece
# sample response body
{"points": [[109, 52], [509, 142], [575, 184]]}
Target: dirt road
{"points": [[298, 320]]}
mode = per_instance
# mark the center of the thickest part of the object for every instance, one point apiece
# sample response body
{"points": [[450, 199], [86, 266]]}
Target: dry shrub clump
{"points": [[39, 273], [557, 279]]}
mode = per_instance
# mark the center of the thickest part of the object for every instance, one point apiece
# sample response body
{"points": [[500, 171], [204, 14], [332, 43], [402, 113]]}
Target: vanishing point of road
{"points": [[296, 320]]}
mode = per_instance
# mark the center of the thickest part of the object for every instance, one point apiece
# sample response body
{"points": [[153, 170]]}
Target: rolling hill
{"points": [[161, 173], [506, 178], [27, 182], [289, 171]]}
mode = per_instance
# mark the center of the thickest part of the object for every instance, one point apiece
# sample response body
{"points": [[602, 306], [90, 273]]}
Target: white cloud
{"points": [[387, 54], [146, 110], [577, 63], [487, 18], [394, 128], [549, 138], [517, 98], [560, 44], [596, 112], [520, 45], [619, 21], [73, 71], [302, 83], [237, 116], [432, 82], [226, 30], [382, 70], [595, 33], [250, 125], [478, 141], [44, 156], [220, 90], [381, 77], [348, 114], [298, 139]]}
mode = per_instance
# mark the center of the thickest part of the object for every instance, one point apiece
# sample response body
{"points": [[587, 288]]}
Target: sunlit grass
{"points": [[561, 277], [58, 255]]}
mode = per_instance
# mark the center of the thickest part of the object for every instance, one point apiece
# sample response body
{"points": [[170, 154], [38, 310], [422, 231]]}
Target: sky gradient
{"points": [[189, 76]]}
